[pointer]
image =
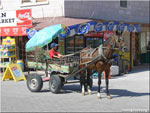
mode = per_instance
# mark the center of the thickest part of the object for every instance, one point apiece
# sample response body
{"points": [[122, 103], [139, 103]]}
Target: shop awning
{"points": [[83, 26], [40, 23]]}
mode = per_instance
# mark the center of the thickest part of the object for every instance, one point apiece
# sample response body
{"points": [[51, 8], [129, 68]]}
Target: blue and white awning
{"points": [[98, 27]]}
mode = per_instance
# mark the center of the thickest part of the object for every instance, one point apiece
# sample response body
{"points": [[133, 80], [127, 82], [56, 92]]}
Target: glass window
{"points": [[26, 1], [123, 3], [74, 44], [94, 42], [34, 1], [70, 45], [41, 0], [79, 43]]}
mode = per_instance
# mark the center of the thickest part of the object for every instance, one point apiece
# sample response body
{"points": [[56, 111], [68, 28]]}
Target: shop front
{"points": [[13, 27], [93, 34], [79, 34]]}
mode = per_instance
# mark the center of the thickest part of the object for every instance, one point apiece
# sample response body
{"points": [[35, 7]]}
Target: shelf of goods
{"points": [[7, 52]]}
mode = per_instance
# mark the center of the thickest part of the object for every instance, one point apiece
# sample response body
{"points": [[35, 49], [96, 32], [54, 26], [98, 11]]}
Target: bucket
{"points": [[20, 62]]}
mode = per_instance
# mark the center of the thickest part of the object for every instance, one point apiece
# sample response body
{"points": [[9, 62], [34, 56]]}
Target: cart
{"points": [[57, 72]]}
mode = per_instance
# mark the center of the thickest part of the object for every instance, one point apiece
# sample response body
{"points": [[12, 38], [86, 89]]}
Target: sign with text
{"points": [[15, 18], [14, 31], [13, 71]]}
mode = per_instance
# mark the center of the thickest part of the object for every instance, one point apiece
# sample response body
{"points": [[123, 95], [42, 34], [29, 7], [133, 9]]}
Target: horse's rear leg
{"points": [[83, 82], [107, 83], [89, 82], [99, 69]]}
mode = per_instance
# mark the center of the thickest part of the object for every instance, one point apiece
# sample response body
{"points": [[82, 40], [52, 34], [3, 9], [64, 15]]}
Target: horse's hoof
{"points": [[99, 96], [83, 94], [90, 92], [109, 97]]}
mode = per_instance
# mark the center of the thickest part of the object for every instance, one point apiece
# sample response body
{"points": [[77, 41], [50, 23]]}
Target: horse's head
{"points": [[119, 41]]}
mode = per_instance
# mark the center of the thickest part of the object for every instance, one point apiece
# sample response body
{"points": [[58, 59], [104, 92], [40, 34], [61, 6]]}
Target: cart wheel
{"points": [[34, 83], [55, 83], [62, 81]]}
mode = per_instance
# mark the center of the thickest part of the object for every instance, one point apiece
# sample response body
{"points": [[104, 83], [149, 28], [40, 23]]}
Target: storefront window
{"points": [[26, 1], [33, 2], [41, 0], [79, 43], [74, 44], [94, 42], [123, 3], [70, 45]]}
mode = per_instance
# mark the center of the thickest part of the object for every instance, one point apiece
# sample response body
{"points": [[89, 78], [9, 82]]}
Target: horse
{"points": [[103, 56]]}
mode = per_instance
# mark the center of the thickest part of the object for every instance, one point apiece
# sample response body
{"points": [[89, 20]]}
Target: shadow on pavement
{"points": [[114, 92], [141, 68], [77, 89], [126, 93]]}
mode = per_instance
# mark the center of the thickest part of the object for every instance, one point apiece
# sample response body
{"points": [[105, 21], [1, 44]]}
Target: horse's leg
{"points": [[83, 82], [99, 69], [89, 72], [107, 71]]}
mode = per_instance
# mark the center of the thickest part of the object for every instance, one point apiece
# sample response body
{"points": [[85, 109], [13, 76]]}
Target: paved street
{"points": [[129, 93]]}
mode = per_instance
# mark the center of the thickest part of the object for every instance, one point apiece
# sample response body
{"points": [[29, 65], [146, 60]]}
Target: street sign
{"points": [[13, 71]]}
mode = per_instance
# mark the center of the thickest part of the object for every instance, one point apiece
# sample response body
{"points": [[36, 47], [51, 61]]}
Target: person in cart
{"points": [[53, 53]]}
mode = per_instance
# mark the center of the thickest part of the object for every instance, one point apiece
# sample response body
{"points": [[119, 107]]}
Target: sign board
{"points": [[108, 34], [9, 41], [14, 31], [31, 32], [99, 27], [13, 71], [15, 18]]}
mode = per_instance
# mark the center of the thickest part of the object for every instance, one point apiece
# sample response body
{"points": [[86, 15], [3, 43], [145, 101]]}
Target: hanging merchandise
{"points": [[8, 48]]}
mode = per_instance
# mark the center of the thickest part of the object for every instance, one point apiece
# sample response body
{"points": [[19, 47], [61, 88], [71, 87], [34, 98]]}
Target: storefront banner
{"points": [[15, 18], [8, 18], [14, 31], [83, 28], [98, 27], [65, 33], [31, 32]]}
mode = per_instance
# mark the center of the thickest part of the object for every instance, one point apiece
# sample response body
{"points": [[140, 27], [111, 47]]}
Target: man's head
{"points": [[54, 46]]}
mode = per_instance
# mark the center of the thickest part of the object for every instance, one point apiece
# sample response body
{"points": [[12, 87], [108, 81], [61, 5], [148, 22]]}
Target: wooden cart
{"points": [[57, 72]]}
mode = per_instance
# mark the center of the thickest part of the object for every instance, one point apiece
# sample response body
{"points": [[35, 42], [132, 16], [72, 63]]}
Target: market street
{"points": [[129, 92]]}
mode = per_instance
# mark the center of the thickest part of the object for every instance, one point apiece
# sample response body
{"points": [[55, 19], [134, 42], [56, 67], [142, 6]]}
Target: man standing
{"points": [[53, 52]]}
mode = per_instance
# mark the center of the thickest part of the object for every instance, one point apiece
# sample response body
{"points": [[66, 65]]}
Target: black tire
{"points": [[62, 81], [55, 83], [34, 83]]}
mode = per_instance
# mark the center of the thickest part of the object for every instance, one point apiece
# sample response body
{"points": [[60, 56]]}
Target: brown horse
{"points": [[104, 55]]}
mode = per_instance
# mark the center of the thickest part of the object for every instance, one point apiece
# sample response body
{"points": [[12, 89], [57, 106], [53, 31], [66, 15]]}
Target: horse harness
{"points": [[101, 56]]}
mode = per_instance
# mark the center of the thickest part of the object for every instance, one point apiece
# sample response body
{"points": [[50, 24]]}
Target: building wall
{"points": [[136, 11], [50, 8]]}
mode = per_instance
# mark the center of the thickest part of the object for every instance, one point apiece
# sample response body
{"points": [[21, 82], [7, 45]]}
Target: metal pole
{"points": [[47, 47], [130, 51]]}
